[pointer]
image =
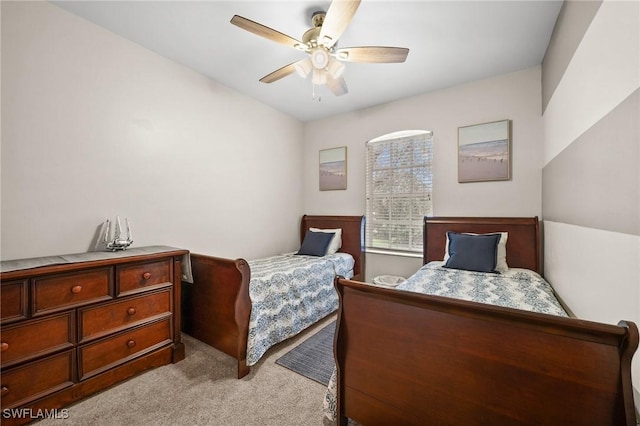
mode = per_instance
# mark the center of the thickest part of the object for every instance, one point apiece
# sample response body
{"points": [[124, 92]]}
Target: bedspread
{"points": [[516, 288], [289, 293]]}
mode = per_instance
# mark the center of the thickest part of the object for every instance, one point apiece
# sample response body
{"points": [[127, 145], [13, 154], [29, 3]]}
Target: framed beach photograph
{"points": [[484, 152], [333, 169]]}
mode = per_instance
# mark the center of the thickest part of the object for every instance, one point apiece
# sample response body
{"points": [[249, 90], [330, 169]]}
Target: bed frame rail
{"points": [[409, 358]]}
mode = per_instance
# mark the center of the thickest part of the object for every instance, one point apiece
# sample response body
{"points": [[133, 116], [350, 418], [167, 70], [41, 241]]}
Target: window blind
{"points": [[399, 191]]}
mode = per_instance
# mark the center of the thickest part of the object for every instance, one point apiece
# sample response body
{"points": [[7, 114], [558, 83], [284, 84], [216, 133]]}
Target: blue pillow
{"points": [[316, 243], [473, 252]]}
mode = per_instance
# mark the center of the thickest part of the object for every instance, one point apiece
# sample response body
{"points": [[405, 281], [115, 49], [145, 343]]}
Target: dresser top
{"points": [[39, 262]]}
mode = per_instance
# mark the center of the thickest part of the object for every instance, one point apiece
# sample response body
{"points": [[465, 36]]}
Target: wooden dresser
{"points": [[71, 329]]}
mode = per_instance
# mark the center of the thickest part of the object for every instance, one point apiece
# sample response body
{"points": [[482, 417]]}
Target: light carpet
{"points": [[202, 390]]}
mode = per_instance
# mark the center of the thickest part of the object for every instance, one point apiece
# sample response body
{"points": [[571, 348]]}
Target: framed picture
{"points": [[333, 169], [484, 152]]}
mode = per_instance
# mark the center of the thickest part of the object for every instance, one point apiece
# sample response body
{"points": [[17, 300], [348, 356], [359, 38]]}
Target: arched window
{"points": [[398, 190]]}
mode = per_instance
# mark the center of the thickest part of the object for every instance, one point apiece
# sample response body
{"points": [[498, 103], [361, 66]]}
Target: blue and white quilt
{"points": [[289, 293], [516, 288]]}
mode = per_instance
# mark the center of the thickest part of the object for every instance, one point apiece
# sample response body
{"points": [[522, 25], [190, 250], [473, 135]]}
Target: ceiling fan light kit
{"points": [[335, 68], [303, 67], [318, 77], [319, 57], [319, 42]]}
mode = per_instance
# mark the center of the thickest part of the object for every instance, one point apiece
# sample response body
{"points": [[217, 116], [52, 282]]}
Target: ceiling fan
{"points": [[324, 60]]}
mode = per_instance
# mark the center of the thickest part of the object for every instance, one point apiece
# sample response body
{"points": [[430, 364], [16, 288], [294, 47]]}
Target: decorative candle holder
{"points": [[117, 242]]}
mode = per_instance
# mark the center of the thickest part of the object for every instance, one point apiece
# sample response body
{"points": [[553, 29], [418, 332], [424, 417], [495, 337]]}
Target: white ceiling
{"points": [[450, 42]]}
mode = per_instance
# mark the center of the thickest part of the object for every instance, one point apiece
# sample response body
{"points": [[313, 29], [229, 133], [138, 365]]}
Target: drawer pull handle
{"points": [[131, 311], [146, 275], [76, 289], [4, 346], [5, 390], [131, 343]]}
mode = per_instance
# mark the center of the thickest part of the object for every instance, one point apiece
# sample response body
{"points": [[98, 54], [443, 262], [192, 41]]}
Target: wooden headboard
{"points": [[523, 243], [352, 235]]}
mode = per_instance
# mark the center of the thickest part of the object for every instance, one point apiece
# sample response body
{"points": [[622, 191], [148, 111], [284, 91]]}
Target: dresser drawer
{"points": [[13, 303], [97, 357], [95, 322], [37, 337], [56, 292], [141, 276], [32, 381]]}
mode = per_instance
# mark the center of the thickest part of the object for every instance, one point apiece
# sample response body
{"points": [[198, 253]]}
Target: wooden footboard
{"points": [[216, 307], [408, 358]]}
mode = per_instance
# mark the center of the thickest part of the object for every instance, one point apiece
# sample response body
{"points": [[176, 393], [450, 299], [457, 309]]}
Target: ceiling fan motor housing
{"points": [[320, 55]]}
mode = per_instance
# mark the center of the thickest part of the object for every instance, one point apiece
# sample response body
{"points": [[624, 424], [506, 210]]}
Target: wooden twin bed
{"points": [[217, 307], [410, 358]]}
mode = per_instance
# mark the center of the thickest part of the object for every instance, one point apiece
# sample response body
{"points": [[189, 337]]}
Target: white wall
{"points": [[594, 264], [94, 126], [515, 96], [603, 72]]}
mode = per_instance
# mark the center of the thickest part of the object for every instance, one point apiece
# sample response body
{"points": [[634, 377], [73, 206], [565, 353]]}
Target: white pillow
{"points": [[336, 241], [501, 260]]}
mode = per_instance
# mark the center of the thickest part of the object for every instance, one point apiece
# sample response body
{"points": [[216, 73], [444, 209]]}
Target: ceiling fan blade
{"points": [[280, 73], [378, 54], [266, 32], [336, 21], [337, 85]]}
